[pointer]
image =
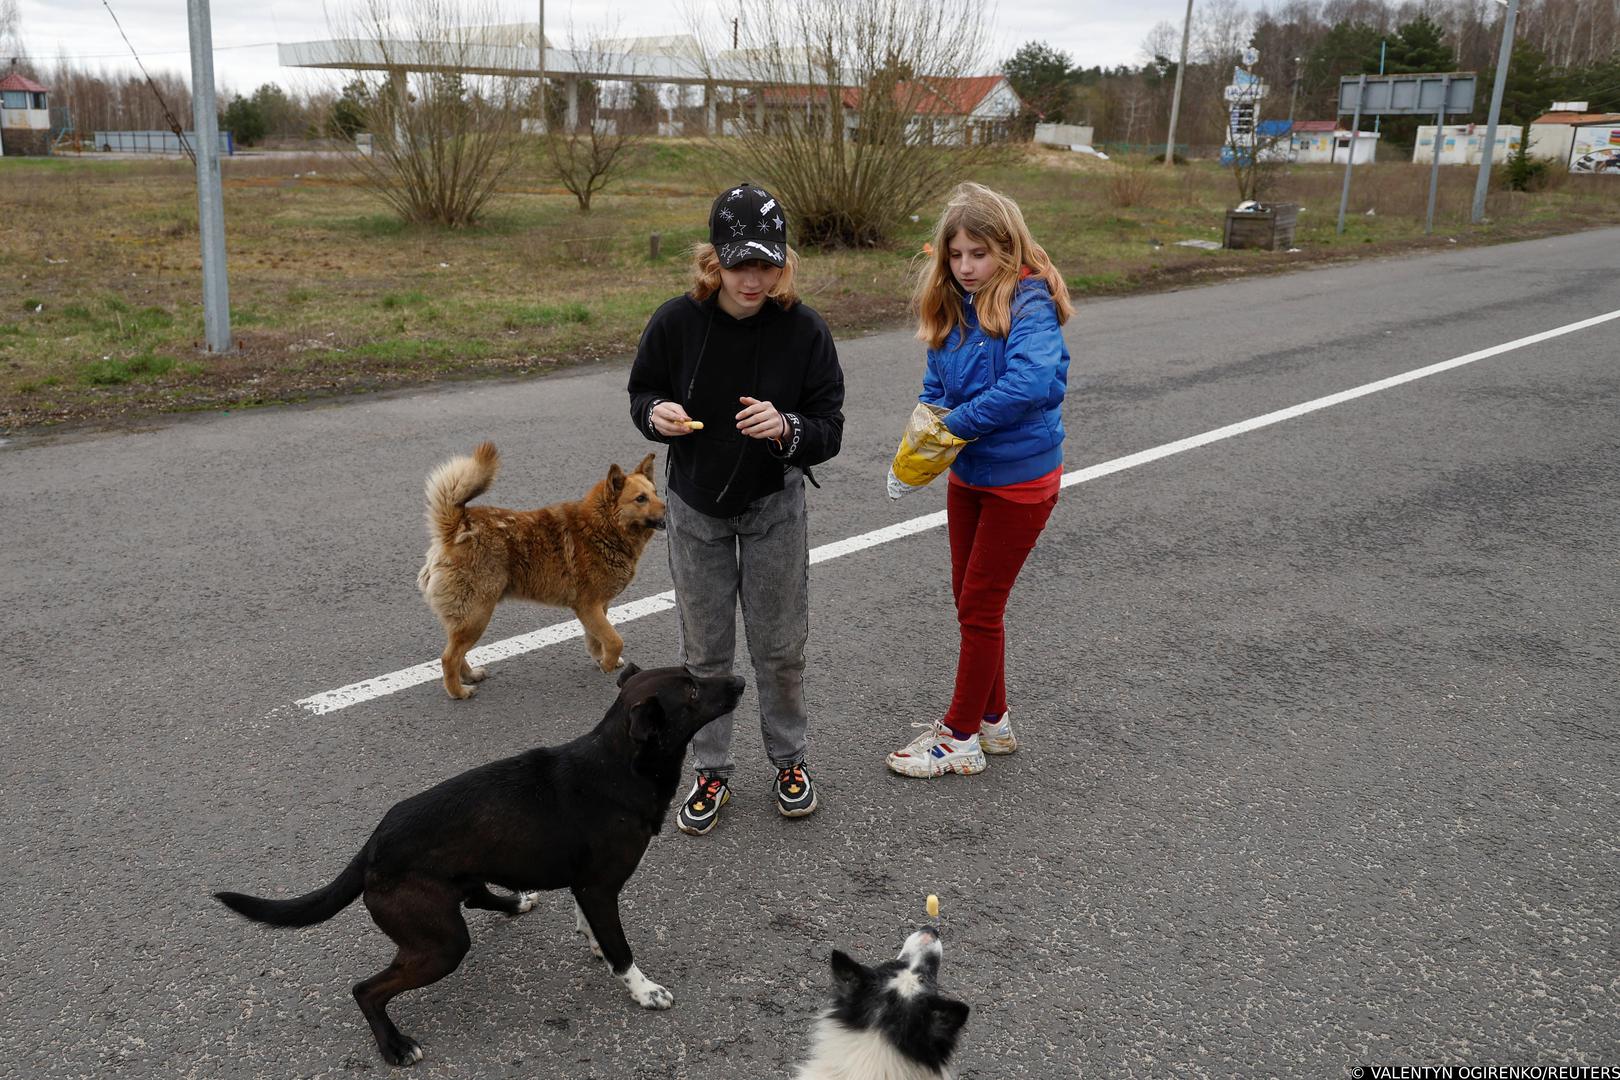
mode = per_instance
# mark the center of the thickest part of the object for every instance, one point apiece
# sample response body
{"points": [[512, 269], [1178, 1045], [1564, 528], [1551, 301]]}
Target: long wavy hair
{"points": [[706, 276], [996, 221]]}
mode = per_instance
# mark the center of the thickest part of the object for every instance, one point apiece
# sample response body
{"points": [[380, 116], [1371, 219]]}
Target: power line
{"points": [[174, 125], [161, 52]]}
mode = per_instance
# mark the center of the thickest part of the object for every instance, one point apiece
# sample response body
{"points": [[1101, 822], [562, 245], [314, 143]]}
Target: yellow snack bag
{"points": [[927, 449]]}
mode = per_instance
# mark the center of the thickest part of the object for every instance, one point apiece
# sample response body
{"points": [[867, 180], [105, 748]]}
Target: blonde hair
{"points": [[706, 276], [996, 221]]}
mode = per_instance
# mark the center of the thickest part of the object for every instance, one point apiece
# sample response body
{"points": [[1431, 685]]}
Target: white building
{"points": [[25, 116], [949, 111], [1064, 135], [1552, 134], [1464, 144], [1325, 142]]}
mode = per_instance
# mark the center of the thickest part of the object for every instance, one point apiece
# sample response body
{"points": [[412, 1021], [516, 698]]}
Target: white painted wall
{"points": [[1322, 147], [1064, 135], [1464, 144]]}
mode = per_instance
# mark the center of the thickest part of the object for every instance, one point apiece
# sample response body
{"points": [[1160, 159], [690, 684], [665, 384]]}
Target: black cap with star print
{"points": [[747, 222]]}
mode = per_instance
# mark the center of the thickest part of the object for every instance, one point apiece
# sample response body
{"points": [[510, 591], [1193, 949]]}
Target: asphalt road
{"points": [[1319, 721]]}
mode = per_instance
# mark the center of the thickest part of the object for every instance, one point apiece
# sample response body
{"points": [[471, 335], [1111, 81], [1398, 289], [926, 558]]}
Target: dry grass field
{"points": [[331, 294]]}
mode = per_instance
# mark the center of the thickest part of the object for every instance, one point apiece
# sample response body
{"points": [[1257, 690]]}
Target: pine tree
{"points": [[244, 119], [1042, 77], [1530, 87], [1419, 46], [1346, 49]]}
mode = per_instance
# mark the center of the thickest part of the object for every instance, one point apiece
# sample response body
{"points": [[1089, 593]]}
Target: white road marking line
{"points": [[382, 685]]}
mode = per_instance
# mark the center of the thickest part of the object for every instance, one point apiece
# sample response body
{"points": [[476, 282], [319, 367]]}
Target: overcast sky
{"points": [[1091, 31]]}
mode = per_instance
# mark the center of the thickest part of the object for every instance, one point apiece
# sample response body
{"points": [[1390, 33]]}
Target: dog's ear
{"points": [[615, 478], [625, 675], [646, 466], [945, 1018], [850, 976], [646, 718]]}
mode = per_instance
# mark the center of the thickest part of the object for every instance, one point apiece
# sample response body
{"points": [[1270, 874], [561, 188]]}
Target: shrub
{"points": [[1525, 173], [851, 165]]}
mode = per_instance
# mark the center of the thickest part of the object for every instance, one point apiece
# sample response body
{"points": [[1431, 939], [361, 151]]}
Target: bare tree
{"points": [[1255, 157], [13, 52], [1162, 43], [858, 108], [1220, 30], [600, 136], [1132, 103], [442, 136]]}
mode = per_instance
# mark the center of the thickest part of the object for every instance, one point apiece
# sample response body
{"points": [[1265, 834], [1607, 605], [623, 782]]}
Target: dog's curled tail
{"points": [[451, 486], [306, 910]]}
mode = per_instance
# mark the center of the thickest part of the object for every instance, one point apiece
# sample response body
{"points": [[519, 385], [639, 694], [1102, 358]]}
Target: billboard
{"points": [[1409, 95], [1596, 149]]}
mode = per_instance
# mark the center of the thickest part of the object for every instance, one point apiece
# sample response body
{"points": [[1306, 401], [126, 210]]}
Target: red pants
{"points": [[990, 539]]}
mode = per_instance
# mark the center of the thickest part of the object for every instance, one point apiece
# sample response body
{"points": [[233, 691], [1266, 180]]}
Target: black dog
{"points": [[577, 817]]}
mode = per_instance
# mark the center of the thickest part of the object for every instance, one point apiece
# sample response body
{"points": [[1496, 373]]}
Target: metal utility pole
{"points": [[1293, 99], [1434, 166], [1350, 158], [1483, 183], [210, 200], [1175, 100], [540, 44], [1383, 53]]}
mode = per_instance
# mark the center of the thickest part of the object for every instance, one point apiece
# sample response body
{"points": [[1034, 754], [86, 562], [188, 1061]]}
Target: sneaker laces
{"points": [[794, 774], [708, 789], [925, 740]]}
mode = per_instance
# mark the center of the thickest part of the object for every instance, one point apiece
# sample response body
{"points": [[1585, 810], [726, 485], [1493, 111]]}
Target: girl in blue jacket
{"points": [[990, 305]]}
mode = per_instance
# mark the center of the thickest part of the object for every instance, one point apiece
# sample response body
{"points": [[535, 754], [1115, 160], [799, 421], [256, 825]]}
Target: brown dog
{"points": [[578, 555]]}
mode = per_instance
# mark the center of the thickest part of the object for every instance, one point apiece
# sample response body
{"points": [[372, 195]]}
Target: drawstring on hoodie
{"points": [[703, 348], [753, 386], [691, 384]]}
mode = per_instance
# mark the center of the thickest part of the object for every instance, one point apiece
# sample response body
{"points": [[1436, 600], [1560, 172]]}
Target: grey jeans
{"points": [[761, 556]]}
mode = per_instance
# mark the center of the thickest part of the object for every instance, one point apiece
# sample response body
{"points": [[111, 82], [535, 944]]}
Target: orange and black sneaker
{"points": [[795, 794], [701, 811]]}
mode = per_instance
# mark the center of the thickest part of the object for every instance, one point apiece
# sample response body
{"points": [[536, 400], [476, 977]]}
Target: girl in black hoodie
{"points": [[742, 382]]}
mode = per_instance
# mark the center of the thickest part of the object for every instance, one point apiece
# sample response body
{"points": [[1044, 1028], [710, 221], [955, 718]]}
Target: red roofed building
{"points": [[1324, 141], [1553, 134], [25, 116], [972, 109]]}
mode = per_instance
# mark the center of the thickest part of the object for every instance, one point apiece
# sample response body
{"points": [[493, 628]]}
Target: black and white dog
{"points": [[887, 1022]]}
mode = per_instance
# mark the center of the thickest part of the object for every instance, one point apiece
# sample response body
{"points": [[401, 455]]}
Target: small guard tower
{"points": [[25, 117]]}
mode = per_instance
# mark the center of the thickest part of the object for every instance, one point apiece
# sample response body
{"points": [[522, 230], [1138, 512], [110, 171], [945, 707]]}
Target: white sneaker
{"points": [[936, 752], [998, 738]]}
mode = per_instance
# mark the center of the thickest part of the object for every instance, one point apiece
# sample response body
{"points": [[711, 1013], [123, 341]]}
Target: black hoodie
{"points": [[695, 354]]}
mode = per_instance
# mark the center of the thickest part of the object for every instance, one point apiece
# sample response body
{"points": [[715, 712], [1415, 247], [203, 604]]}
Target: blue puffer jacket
{"points": [[1004, 393]]}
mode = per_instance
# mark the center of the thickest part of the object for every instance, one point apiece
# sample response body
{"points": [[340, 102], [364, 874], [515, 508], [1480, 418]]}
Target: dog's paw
{"points": [[655, 997], [526, 902], [477, 674], [648, 994]]}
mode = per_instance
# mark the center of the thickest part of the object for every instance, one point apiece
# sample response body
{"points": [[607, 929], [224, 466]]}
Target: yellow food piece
{"points": [[694, 425], [933, 906]]}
